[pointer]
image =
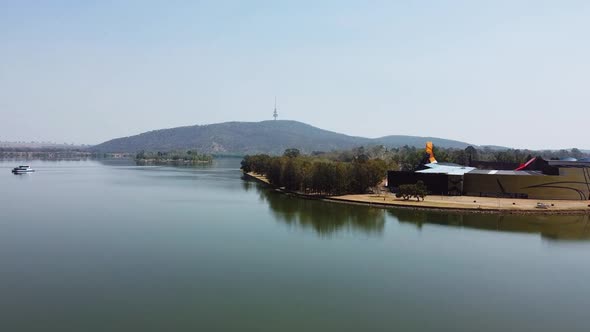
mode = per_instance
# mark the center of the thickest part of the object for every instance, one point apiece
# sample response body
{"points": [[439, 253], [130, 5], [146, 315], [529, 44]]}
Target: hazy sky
{"points": [[514, 73]]}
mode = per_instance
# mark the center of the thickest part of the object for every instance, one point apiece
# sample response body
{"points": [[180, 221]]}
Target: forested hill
{"points": [[271, 137]]}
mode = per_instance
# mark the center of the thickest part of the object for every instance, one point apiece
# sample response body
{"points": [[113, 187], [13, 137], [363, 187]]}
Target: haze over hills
{"points": [[271, 137], [40, 145]]}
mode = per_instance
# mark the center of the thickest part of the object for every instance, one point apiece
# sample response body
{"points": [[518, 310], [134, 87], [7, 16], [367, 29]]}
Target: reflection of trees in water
{"points": [[247, 183], [115, 162], [132, 162], [324, 217], [554, 227]]}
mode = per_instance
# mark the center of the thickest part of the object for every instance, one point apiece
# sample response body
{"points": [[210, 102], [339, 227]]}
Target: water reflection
{"points": [[115, 161], [131, 162], [323, 217], [247, 184], [552, 227]]}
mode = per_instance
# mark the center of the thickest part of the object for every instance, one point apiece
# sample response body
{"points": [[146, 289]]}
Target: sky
{"points": [[511, 73]]}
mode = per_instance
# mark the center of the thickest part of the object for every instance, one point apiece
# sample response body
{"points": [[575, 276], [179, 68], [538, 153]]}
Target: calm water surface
{"points": [[108, 246]]}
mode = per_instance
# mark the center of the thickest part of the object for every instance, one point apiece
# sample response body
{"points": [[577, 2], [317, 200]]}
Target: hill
{"points": [[418, 141], [271, 137]]}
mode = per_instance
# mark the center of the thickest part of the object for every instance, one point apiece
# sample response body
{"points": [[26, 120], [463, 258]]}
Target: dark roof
{"points": [[565, 163], [499, 165]]}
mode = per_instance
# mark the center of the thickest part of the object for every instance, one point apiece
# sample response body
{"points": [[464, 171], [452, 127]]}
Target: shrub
{"points": [[407, 191]]}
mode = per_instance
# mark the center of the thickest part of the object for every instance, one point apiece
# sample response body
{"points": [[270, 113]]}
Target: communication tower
{"points": [[275, 115]]}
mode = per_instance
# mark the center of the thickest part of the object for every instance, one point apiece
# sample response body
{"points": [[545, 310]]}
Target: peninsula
{"points": [[469, 204], [360, 180]]}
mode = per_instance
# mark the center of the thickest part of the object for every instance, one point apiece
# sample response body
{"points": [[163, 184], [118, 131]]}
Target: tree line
{"points": [[314, 175], [188, 156], [409, 158]]}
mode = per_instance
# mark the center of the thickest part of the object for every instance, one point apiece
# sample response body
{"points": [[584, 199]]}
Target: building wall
{"points": [[572, 183], [436, 183]]}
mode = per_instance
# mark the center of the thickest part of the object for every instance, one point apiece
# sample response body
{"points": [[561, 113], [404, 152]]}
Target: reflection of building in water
{"points": [[555, 227], [323, 217]]}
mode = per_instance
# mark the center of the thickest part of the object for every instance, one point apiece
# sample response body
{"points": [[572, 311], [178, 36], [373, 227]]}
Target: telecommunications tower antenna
{"points": [[275, 114]]}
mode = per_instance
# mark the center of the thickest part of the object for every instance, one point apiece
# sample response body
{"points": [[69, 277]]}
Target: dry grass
{"points": [[463, 202], [472, 203]]}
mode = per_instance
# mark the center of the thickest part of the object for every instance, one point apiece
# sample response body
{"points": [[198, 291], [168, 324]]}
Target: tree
{"points": [[576, 153], [274, 172], [407, 191], [377, 151], [411, 159], [471, 153], [421, 191], [292, 153], [361, 158], [246, 164], [291, 175]]}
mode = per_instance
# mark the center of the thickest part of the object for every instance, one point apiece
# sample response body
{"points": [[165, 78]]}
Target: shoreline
{"points": [[454, 204]]}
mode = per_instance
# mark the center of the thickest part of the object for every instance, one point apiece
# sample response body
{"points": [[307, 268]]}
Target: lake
{"points": [[110, 246]]}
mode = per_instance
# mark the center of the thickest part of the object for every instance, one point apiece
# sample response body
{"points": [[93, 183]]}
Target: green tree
{"points": [[274, 172], [407, 191], [292, 153]]}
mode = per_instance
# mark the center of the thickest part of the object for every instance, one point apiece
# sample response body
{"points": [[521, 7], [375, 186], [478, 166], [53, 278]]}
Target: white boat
{"points": [[22, 169]]}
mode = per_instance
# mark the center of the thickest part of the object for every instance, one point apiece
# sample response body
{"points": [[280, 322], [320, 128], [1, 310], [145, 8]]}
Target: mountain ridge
{"points": [[271, 136]]}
